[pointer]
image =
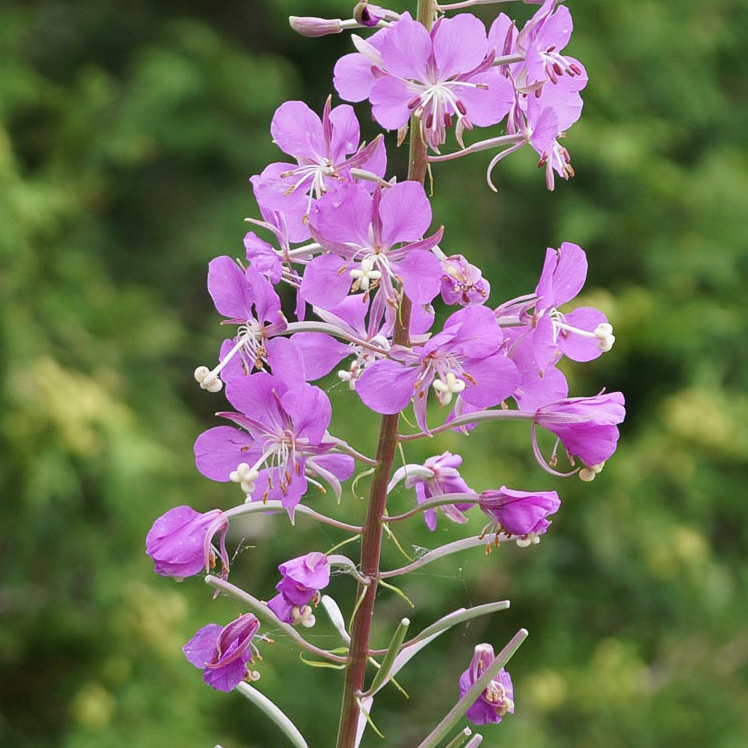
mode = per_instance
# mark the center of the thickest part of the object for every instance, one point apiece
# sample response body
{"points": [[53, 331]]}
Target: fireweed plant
{"points": [[365, 266]]}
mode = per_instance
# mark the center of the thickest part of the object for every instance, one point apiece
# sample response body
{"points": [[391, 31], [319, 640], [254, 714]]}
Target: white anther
{"points": [[213, 385], [365, 274], [234, 477], [588, 474], [445, 389], [532, 538], [604, 334], [346, 376], [303, 616], [207, 379], [248, 484], [605, 344], [454, 384]]}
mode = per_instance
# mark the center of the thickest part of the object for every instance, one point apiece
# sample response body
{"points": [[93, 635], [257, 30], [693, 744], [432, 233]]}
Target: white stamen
{"points": [[588, 474]]}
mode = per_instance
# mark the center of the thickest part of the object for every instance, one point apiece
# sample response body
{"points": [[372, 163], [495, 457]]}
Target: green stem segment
{"points": [[371, 537]]}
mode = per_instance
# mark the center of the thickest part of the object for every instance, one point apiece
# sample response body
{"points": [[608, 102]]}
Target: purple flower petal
{"points": [[310, 412], [387, 386], [353, 77], [257, 396], [420, 272], [345, 132], [460, 44], [326, 281], [219, 450], [229, 289], [405, 212], [298, 130], [389, 102], [201, 648], [577, 347], [320, 353], [490, 381], [406, 49]]}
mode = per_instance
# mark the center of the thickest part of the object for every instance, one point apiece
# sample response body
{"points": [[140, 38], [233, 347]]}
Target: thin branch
{"points": [[329, 329], [277, 506], [343, 446], [452, 619], [481, 145], [483, 415], [446, 550], [447, 498], [263, 612], [345, 562], [469, 4]]}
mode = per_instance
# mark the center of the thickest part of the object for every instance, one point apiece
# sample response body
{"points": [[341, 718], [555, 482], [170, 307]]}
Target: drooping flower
{"points": [[519, 512], [373, 244], [180, 542], [463, 359], [302, 579], [463, 283], [498, 697], [282, 440], [325, 150], [586, 426], [224, 653], [436, 477], [441, 76]]}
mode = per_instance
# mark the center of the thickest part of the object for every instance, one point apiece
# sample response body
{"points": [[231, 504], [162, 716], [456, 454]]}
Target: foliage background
{"points": [[127, 134]]}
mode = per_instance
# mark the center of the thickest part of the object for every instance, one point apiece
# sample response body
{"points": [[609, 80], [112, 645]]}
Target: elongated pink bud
{"points": [[311, 26]]}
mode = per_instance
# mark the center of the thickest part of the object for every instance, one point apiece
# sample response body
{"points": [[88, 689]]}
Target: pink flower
{"points": [[462, 283], [247, 300], [223, 653], [180, 542], [373, 244], [442, 75], [283, 437], [586, 426], [498, 698], [436, 477], [303, 577], [325, 150], [463, 359], [520, 512]]}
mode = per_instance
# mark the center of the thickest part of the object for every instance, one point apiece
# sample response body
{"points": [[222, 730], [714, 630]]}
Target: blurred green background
{"points": [[128, 132]]}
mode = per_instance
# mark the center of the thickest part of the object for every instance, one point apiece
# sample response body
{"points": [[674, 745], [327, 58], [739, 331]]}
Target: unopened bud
{"points": [[311, 26]]}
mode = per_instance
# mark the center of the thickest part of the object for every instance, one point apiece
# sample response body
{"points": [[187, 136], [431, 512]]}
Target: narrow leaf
{"points": [[318, 663], [460, 738], [336, 617], [385, 669], [398, 591], [461, 615], [274, 713]]}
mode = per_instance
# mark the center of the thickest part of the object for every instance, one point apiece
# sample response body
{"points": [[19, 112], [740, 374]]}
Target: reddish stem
{"points": [[371, 538]]}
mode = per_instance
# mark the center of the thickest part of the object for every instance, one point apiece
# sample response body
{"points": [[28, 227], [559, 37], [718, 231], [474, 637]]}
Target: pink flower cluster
{"points": [[357, 257]]}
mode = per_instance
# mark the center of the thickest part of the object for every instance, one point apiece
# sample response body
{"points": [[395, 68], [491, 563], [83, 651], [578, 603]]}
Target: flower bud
{"points": [[311, 26]]}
